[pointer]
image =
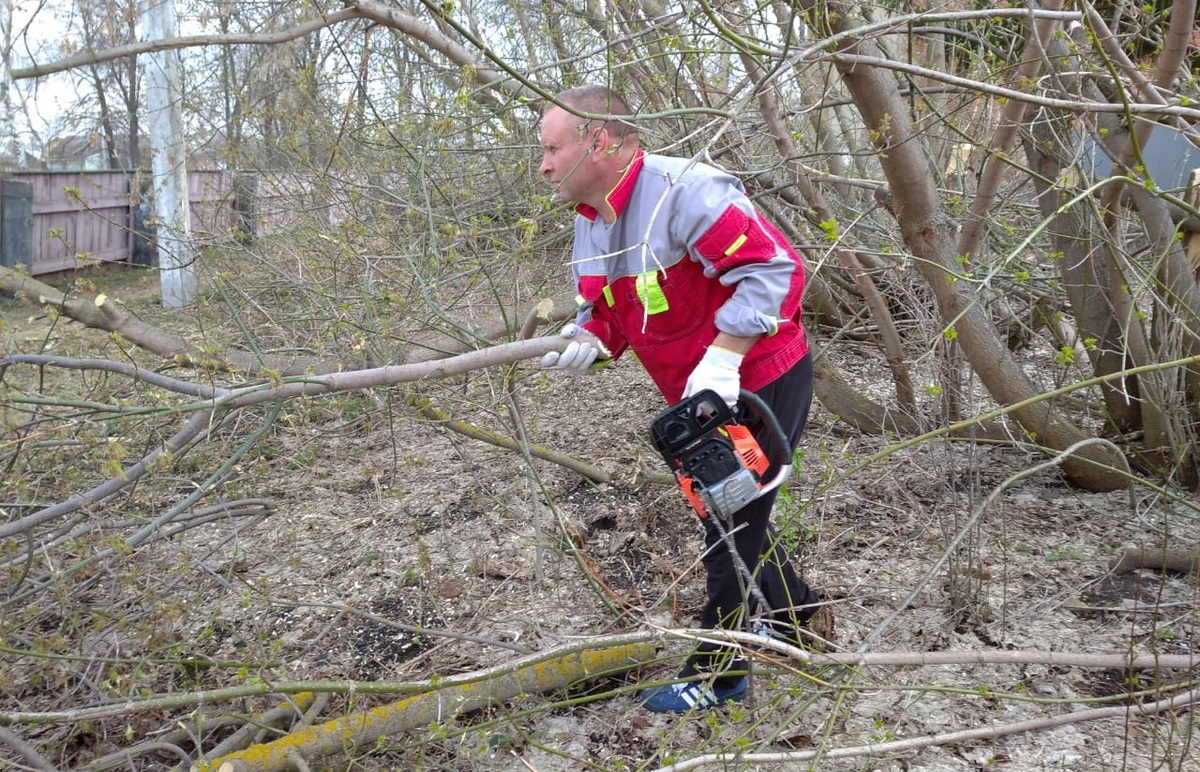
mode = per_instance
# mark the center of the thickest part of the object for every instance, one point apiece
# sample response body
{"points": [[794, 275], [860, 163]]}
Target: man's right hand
{"points": [[580, 353]]}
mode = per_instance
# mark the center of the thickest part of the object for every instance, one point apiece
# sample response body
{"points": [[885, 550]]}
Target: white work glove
{"points": [[579, 354], [718, 370]]}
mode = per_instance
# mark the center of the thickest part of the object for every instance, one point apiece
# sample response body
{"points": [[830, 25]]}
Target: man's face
{"points": [[566, 146]]}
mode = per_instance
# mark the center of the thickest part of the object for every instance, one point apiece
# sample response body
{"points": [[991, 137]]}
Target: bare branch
{"points": [[307, 386], [25, 750], [875, 750], [1037, 41], [1151, 109], [586, 470], [85, 58], [390, 16], [194, 426], [132, 371], [1126, 660], [103, 314]]}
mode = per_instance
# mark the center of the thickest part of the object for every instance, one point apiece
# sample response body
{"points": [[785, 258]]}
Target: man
{"points": [[672, 260]]}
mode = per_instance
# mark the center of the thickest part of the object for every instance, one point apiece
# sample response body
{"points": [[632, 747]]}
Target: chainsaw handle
{"points": [[770, 421]]}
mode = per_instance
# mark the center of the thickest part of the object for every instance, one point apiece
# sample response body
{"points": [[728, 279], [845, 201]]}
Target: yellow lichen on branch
{"points": [[362, 729]]}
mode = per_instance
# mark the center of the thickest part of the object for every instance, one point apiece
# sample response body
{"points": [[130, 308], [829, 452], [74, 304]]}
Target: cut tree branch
{"points": [[359, 730], [198, 423], [206, 411], [102, 313], [1127, 660], [85, 58], [585, 470], [876, 750]]}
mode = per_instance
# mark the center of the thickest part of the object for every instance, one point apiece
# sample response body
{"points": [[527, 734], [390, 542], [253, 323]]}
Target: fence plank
{"points": [[82, 218], [79, 218]]}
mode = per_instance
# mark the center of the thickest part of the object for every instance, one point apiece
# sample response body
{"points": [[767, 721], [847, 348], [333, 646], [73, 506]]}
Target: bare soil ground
{"points": [[382, 517]]}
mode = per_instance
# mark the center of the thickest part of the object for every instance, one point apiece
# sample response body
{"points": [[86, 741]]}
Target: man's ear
{"points": [[603, 145]]}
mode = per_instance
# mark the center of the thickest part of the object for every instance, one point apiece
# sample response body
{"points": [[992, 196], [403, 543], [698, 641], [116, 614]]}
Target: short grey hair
{"points": [[599, 100]]}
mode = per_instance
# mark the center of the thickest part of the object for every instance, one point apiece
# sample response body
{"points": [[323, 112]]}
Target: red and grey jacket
{"points": [[687, 256]]}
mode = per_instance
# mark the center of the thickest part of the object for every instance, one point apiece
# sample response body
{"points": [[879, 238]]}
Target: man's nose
{"points": [[544, 167]]}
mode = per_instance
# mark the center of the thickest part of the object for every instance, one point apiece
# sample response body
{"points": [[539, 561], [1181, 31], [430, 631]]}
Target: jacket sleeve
{"points": [[613, 341], [738, 247]]}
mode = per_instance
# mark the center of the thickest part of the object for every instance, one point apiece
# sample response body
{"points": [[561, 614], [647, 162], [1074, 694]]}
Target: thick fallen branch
{"points": [[175, 701], [360, 730], [585, 470], [1181, 561], [243, 737], [102, 313], [292, 387], [185, 733], [191, 700], [875, 750]]}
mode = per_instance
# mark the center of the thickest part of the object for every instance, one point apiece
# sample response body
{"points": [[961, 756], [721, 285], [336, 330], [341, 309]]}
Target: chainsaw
{"points": [[717, 461]]}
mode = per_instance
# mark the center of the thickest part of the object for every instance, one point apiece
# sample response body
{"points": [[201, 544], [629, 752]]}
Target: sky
{"points": [[41, 27], [44, 99]]}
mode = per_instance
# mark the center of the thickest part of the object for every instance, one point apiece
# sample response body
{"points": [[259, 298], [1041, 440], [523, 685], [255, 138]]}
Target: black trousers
{"points": [[791, 601]]}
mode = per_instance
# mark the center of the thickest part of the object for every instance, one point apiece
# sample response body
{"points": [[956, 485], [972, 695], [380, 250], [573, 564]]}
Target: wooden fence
{"points": [[55, 221]]}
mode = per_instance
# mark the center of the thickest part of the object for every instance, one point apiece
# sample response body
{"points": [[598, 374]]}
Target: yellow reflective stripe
{"points": [[650, 293], [734, 246], [608, 296]]}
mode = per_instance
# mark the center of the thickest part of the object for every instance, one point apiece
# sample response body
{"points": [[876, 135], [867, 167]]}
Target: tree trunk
{"points": [[176, 253], [1087, 286], [932, 235], [106, 122]]}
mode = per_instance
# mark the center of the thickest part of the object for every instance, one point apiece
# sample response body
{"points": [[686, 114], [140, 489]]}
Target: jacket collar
{"points": [[618, 197]]}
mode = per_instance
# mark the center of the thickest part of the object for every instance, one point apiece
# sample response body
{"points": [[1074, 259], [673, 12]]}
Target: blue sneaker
{"points": [[693, 695]]}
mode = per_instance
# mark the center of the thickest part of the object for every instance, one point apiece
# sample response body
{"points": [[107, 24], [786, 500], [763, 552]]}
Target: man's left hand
{"points": [[580, 353], [719, 370]]}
